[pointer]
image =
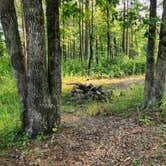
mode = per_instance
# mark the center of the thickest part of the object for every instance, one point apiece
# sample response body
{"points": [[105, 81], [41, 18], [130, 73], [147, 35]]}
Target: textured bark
{"points": [[54, 58], [159, 85], [39, 104], [17, 60], [149, 78]]}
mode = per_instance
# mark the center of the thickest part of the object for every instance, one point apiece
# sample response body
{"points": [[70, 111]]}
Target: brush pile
{"points": [[89, 91]]}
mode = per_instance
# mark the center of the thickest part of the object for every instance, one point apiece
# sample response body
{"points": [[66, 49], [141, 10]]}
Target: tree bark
{"points": [[39, 103], [54, 58], [80, 32], [87, 30], [127, 30], [91, 39], [13, 43], [149, 77], [159, 85], [97, 51], [124, 30], [109, 51]]}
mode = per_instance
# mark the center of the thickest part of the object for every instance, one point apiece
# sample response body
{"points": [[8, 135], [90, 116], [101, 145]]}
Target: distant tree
{"points": [[91, 37], [87, 23], [1, 44]]}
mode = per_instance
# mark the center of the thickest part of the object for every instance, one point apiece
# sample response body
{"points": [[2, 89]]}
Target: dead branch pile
{"points": [[88, 91]]}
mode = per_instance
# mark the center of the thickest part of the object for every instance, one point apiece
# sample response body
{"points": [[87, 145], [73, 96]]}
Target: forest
{"points": [[82, 82]]}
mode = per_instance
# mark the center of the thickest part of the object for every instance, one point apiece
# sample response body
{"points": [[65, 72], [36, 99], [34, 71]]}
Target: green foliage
{"points": [[130, 98], [9, 108], [2, 48], [120, 104], [163, 110], [117, 67]]}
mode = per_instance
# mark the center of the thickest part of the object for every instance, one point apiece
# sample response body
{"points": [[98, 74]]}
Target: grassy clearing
{"points": [[121, 102]]}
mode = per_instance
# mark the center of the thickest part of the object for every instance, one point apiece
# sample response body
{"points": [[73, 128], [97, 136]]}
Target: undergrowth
{"points": [[117, 67]]}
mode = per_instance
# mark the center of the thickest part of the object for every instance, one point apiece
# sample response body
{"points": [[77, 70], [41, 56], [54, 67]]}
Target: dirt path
{"points": [[121, 83], [96, 141]]}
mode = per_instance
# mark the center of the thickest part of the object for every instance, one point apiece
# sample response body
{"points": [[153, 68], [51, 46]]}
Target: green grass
{"points": [[9, 107], [120, 103]]}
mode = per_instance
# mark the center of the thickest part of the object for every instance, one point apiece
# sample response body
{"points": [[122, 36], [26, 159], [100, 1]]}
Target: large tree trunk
{"points": [[149, 78], [40, 108], [13, 43], [54, 58], [159, 85]]}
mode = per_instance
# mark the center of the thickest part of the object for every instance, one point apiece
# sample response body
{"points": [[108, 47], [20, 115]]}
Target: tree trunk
{"points": [[97, 51], [82, 29], [127, 30], [54, 58], [80, 32], [39, 103], [108, 30], [91, 39], [159, 85], [115, 47], [13, 43], [132, 52], [87, 30], [149, 78], [124, 31]]}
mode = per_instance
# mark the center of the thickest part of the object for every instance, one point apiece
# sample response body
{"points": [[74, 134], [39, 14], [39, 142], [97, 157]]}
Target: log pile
{"points": [[88, 91]]}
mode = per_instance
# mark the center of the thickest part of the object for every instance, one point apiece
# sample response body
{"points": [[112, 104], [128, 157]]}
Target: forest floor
{"points": [[103, 139]]}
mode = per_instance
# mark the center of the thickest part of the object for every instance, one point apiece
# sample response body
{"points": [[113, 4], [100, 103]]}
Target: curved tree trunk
{"points": [[13, 43]]}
